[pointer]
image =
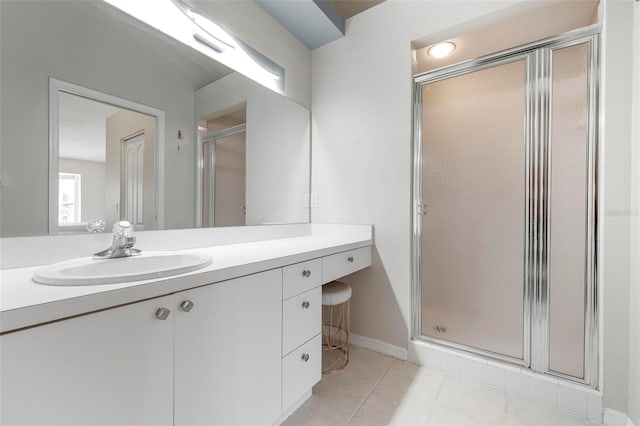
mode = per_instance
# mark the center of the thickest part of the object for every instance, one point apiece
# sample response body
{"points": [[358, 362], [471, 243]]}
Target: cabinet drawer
{"points": [[301, 319], [341, 264], [301, 277], [298, 375]]}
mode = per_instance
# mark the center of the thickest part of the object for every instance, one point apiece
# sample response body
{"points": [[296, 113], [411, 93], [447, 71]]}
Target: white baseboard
{"points": [[378, 346], [616, 418]]}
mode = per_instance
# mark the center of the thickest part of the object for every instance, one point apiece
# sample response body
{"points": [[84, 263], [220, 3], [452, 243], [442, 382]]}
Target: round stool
{"points": [[335, 326]]}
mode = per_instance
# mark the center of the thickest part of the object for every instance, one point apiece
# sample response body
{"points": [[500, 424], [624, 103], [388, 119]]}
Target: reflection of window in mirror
{"points": [[69, 199]]}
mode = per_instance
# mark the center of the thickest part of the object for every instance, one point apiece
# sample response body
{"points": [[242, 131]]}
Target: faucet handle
{"points": [[96, 226], [122, 229]]}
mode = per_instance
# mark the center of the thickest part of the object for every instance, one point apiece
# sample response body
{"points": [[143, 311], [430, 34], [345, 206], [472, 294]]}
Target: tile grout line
{"points": [[371, 391], [506, 402], [437, 396]]}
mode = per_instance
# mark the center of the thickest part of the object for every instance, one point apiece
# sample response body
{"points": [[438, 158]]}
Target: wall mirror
{"points": [[83, 66], [103, 161]]}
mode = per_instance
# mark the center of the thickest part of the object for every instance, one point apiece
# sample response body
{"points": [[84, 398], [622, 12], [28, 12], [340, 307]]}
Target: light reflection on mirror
{"points": [[181, 21]]}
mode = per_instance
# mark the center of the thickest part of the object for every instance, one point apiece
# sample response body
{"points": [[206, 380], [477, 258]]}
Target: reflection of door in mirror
{"points": [[132, 181], [225, 178], [130, 187], [106, 161], [224, 169], [230, 162]]}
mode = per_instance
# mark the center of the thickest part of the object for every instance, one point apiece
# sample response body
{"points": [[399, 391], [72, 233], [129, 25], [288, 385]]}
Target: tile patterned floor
{"points": [[376, 389]]}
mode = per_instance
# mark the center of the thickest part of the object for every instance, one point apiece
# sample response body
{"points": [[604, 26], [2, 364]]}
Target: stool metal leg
{"points": [[335, 344]]}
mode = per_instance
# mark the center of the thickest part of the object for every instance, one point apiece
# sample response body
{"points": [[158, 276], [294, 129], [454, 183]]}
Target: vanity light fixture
{"points": [[215, 37], [207, 41], [441, 50], [211, 35]]}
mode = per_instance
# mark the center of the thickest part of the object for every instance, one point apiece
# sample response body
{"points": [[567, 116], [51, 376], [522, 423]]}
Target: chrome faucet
{"points": [[123, 241]]}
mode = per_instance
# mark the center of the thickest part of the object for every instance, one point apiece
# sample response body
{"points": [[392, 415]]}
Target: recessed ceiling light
{"points": [[441, 50]]}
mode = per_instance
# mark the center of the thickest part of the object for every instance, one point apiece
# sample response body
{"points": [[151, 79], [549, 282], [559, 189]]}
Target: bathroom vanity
{"points": [[237, 342]]}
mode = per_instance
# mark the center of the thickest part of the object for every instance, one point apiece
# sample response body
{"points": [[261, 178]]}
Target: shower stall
{"points": [[505, 194]]}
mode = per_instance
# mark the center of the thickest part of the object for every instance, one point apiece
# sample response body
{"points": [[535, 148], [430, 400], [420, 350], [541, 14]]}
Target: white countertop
{"points": [[24, 303]]}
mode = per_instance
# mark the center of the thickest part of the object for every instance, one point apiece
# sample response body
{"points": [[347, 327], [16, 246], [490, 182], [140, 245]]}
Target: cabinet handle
{"points": [[306, 273], [305, 357], [306, 304], [186, 305], [162, 313], [350, 259]]}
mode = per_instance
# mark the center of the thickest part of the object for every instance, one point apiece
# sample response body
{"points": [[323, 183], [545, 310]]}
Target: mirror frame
{"points": [[55, 87]]}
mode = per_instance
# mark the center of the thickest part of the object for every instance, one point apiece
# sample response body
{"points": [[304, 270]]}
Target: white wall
{"points": [[634, 343], [362, 108], [91, 187], [615, 199], [253, 25], [277, 144], [362, 162]]}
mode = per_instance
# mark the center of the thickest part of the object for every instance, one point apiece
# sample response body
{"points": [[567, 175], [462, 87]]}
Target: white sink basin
{"points": [[149, 265]]}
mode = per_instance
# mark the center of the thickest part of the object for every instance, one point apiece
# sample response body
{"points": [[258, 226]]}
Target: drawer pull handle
{"points": [[350, 259], [306, 304], [306, 273], [162, 313], [305, 357], [186, 305]]}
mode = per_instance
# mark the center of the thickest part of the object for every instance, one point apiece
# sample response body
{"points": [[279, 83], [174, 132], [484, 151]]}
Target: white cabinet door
{"points": [[228, 352], [113, 367]]}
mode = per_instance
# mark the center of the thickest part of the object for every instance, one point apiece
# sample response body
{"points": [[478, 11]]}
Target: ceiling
{"points": [[349, 8], [83, 127], [315, 22]]}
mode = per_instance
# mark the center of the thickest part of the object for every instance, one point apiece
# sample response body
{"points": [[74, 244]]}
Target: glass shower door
{"points": [[474, 213], [570, 185], [224, 178]]}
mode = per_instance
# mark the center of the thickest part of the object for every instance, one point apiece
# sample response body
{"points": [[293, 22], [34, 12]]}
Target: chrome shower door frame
{"points": [[537, 57], [205, 202]]}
